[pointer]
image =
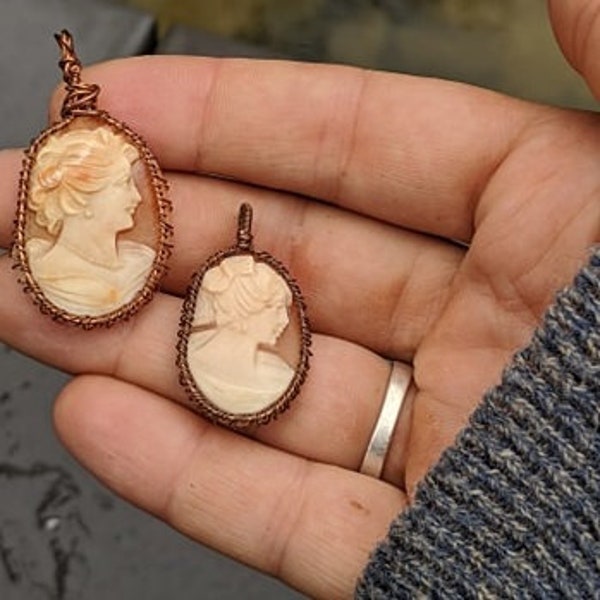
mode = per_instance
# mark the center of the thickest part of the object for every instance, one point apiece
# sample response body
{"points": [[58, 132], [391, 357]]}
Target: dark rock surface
{"points": [[64, 537]]}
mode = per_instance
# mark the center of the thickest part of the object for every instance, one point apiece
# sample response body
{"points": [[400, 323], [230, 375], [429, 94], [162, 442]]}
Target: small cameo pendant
{"points": [[92, 231], [244, 337]]}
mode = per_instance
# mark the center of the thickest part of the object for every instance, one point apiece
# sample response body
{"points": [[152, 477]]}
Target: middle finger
{"points": [[365, 281]]}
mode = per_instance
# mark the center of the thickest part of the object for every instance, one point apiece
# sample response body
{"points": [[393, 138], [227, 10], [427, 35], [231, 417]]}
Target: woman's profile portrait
{"points": [[83, 194], [241, 311]]}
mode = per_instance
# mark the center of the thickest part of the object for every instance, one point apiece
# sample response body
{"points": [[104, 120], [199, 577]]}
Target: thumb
{"points": [[576, 24]]}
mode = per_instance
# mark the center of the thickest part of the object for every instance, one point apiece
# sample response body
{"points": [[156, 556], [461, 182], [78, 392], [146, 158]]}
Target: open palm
{"points": [[427, 222]]}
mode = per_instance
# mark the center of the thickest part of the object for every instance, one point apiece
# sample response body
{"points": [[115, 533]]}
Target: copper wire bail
{"points": [[81, 97], [244, 233]]}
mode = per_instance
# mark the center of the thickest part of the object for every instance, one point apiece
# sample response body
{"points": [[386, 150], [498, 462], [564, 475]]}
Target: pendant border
{"points": [[165, 229], [196, 398]]}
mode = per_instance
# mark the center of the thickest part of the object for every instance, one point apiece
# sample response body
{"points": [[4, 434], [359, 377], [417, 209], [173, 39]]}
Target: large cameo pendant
{"points": [[91, 229], [244, 337]]}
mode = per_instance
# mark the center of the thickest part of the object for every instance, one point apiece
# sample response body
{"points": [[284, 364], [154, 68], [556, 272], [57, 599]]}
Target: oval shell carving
{"points": [[92, 229], [244, 339]]}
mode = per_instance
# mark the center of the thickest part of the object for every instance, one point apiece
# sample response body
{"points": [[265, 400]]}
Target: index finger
{"points": [[415, 152]]}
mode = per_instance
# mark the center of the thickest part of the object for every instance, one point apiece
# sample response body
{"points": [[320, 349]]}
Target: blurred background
{"points": [[62, 536], [502, 44]]}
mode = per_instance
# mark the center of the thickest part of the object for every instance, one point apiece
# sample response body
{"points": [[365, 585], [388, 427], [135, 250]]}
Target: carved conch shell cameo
{"points": [[244, 336], [91, 229]]}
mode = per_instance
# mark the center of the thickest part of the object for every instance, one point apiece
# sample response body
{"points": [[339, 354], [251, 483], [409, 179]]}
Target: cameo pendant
{"points": [[92, 231], [244, 337]]}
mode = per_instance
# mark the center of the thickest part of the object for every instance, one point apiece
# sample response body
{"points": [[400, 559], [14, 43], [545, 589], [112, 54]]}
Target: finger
{"points": [[576, 25], [342, 394], [345, 263], [10, 164], [311, 525], [414, 152]]}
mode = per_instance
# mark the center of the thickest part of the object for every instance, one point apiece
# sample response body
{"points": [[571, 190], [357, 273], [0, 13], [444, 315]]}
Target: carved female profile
{"points": [[244, 338], [92, 231]]}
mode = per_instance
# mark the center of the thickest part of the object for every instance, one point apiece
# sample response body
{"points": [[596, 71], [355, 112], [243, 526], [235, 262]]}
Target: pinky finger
{"points": [[309, 524]]}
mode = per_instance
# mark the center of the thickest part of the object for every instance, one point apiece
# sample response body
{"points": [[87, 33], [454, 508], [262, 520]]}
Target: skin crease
{"points": [[518, 182]]}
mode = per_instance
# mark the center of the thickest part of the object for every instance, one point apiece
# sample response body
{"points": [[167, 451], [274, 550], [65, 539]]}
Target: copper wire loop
{"points": [[391, 407], [196, 398], [81, 97], [244, 232]]}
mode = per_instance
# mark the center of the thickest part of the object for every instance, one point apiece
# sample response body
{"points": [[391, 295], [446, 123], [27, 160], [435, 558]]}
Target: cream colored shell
{"points": [[242, 309], [83, 199]]}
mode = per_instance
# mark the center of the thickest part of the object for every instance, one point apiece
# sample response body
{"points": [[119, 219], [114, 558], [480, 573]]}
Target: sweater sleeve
{"points": [[512, 509]]}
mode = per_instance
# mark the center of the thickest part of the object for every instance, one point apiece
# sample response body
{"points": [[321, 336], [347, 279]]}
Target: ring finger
{"points": [[330, 422]]}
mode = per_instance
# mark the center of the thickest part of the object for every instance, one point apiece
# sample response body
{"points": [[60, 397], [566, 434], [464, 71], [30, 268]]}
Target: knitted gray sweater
{"points": [[512, 509]]}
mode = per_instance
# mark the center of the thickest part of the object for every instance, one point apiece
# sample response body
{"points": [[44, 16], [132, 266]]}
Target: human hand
{"points": [[406, 168]]}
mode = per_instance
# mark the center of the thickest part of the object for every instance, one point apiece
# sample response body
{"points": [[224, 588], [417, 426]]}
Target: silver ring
{"points": [[391, 407]]}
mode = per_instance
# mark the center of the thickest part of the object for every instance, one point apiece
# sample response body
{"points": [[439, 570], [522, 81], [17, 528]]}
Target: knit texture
{"points": [[512, 509]]}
